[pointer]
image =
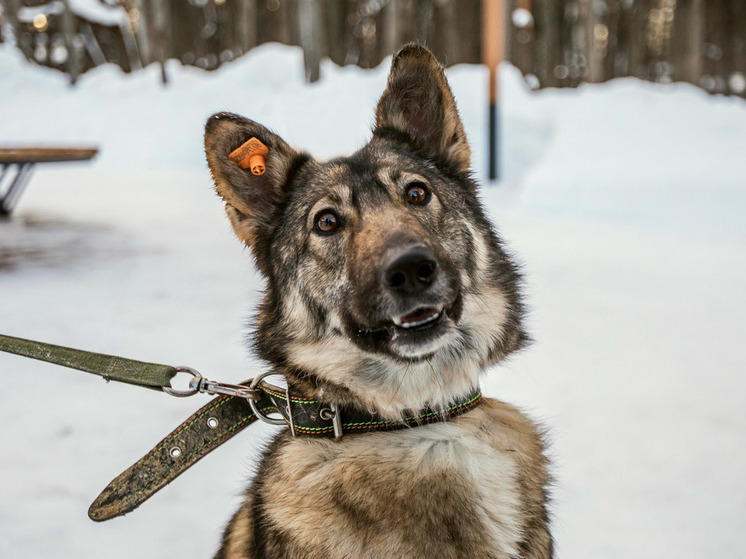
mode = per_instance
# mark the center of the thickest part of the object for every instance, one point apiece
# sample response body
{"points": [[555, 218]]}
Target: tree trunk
{"points": [[72, 64], [548, 44], [688, 31], [738, 46], [593, 53], [246, 24], [11, 14], [392, 26], [638, 50], [159, 46], [309, 24]]}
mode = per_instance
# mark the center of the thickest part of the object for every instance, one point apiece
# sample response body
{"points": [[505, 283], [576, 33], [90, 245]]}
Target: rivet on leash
{"points": [[212, 422], [175, 452]]}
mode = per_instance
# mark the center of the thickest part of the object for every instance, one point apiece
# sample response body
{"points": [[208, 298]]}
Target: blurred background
{"points": [[621, 139], [555, 43]]}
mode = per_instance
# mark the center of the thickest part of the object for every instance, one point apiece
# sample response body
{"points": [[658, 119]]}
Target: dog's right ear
{"points": [[250, 200]]}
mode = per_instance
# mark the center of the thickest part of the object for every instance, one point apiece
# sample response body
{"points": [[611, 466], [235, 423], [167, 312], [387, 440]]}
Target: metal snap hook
{"points": [[206, 386], [193, 384]]}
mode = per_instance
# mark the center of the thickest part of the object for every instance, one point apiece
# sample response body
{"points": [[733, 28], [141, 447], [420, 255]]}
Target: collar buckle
{"points": [[332, 412]]}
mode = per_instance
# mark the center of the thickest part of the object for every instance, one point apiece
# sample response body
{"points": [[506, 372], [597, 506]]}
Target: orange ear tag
{"points": [[251, 156]]}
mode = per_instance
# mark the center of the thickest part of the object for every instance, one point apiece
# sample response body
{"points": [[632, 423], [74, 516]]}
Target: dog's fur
{"points": [[474, 486]]}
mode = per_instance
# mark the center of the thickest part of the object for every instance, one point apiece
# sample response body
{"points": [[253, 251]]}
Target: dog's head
{"points": [[386, 285]]}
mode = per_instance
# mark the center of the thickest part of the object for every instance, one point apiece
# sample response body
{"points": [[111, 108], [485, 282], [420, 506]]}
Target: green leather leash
{"points": [[236, 407], [147, 375]]}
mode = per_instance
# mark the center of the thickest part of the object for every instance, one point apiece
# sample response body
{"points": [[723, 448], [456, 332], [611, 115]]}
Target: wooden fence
{"points": [[557, 43]]}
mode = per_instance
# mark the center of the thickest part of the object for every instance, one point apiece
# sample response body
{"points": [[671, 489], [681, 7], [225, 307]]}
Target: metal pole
{"points": [[9, 199], [493, 43]]}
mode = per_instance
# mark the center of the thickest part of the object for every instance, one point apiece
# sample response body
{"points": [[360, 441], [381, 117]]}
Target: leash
{"points": [[234, 409], [147, 375]]}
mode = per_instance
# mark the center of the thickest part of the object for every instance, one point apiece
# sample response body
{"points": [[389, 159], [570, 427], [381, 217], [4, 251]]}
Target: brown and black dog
{"points": [[387, 290]]}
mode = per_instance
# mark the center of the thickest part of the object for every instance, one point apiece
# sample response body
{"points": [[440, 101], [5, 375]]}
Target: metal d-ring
{"points": [[255, 408]]}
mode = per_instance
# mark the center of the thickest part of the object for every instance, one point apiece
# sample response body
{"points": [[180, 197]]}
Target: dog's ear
{"points": [[418, 103], [251, 200]]}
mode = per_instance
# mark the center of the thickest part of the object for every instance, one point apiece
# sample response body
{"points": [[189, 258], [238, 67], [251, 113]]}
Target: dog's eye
{"points": [[326, 221], [417, 193]]}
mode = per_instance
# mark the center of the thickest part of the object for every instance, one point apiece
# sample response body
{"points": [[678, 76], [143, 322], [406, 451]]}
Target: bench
{"points": [[18, 163]]}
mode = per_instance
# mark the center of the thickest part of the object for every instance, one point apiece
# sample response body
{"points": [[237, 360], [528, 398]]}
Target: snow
{"points": [[624, 201]]}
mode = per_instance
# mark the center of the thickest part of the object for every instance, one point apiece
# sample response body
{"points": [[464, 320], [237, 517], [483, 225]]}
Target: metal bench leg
{"points": [[17, 185], [4, 192], [3, 174]]}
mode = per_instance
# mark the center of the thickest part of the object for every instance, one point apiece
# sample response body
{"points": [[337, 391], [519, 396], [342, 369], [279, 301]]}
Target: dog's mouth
{"points": [[414, 334]]}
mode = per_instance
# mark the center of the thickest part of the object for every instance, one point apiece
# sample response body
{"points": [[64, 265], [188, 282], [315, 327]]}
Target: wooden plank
{"points": [[493, 52], [493, 43], [45, 155]]}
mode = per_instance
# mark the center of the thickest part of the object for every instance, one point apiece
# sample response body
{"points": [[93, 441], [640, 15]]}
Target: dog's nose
{"points": [[409, 270]]}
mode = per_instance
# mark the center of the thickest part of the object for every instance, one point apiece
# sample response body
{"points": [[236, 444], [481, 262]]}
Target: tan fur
{"points": [[240, 533], [471, 487]]}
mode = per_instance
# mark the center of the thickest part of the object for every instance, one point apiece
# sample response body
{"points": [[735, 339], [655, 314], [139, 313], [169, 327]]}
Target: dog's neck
{"points": [[306, 384]]}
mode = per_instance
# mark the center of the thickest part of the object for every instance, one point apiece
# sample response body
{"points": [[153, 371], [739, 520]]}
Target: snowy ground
{"points": [[625, 201]]}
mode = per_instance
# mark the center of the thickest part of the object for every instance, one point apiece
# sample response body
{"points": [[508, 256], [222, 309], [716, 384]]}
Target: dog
{"points": [[387, 291]]}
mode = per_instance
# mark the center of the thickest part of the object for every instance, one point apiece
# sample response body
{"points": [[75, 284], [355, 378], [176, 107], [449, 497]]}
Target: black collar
{"points": [[313, 418]]}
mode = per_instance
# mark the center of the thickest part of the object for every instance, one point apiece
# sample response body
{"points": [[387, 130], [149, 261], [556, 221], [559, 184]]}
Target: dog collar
{"points": [[228, 414], [313, 418]]}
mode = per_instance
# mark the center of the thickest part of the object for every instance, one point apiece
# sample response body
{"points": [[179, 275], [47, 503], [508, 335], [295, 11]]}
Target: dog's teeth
{"points": [[398, 321]]}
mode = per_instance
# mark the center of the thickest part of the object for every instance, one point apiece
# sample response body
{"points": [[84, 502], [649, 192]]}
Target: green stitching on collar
{"points": [[406, 420], [296, 399]]}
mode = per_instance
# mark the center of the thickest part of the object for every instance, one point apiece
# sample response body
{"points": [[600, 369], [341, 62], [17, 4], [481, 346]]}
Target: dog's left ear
{"points": [[418, 103]]}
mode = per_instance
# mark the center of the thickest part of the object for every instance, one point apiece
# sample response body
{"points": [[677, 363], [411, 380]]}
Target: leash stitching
{"points": [[185, 426], [195, 451]]}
